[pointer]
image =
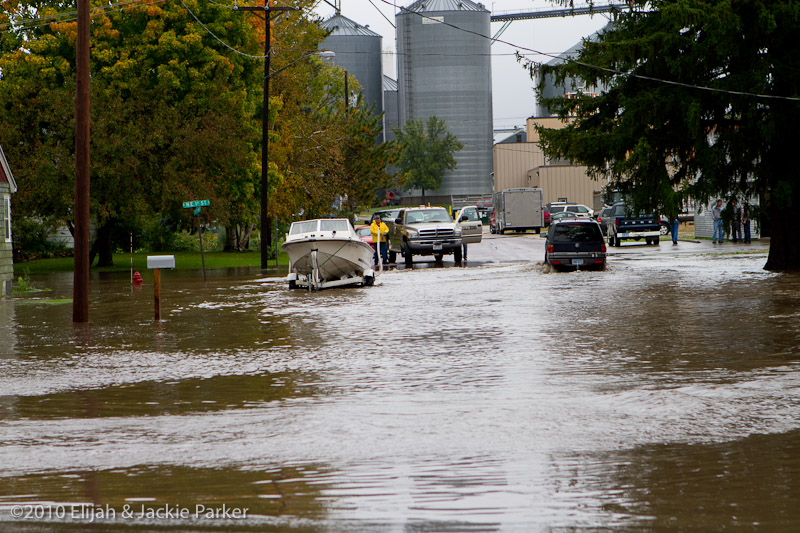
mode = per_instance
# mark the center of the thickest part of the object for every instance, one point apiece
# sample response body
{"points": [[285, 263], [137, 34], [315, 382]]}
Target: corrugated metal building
{"points": [[570, 85], [358, 51], [524, 165], [391, 117], [704, 224], [512, 161], [444, 70]]}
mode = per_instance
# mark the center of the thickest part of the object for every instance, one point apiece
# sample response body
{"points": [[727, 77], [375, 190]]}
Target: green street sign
{"points": [[196, 203]]}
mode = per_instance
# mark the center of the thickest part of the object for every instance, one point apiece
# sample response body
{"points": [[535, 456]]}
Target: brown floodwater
{"points": [[663, 393]]}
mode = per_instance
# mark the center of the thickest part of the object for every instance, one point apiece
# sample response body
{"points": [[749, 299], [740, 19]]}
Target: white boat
{"points": [[327, 252]]}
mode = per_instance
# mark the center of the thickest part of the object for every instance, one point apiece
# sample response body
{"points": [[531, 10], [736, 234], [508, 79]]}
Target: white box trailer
{"points": [[519, 210]]}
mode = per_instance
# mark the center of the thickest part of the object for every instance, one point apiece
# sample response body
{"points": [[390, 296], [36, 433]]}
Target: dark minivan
{"points": [[575, 243]]}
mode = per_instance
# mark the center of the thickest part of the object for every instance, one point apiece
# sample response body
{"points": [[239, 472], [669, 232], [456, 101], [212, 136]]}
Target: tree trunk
{"points": [[245, 244], [103, 246], [784, 190], [784, 247], [230, 238]]}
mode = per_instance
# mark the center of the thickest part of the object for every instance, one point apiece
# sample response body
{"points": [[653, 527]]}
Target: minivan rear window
{"points": [[577, 233]]}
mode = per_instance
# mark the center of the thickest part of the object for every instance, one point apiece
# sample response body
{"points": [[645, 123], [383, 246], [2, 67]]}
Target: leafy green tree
{"points": [[172, 114], [426, 153], [701, 100]]}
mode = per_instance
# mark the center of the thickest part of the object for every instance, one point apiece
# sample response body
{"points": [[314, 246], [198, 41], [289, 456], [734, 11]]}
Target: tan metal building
{"points": [[523, 164]]}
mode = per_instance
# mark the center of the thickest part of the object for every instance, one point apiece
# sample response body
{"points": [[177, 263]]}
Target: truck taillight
{"points": [[603, 247], [549, 248], [616, 222]]}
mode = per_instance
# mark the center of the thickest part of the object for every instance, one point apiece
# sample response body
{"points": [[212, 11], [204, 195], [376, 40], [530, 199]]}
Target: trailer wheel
{"points": [[502, 231], [656, 240], [292, 284], [369, 281]]}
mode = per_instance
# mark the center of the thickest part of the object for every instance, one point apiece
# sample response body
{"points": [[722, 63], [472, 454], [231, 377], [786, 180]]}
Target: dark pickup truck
{"points": [[622, 224]]}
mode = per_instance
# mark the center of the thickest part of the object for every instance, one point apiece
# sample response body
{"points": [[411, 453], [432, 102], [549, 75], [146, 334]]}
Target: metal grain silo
{"points": [[358, 51], [570, 85], [444, 69], [391, 117]]}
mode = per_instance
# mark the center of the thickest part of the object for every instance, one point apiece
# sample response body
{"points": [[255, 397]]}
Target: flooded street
{"points": [[661, 393]]}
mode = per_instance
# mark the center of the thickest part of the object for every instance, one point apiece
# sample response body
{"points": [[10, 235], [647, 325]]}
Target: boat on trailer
{"points": [[327, 252]]}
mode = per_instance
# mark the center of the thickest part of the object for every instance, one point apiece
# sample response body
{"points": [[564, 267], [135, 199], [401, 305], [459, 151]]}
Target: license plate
{"points": [[437, 246], [577, 261]]}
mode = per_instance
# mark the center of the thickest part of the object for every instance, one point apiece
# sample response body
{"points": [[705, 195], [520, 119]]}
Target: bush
{"points": [[156, 236], [31, 239], [186, 242]]}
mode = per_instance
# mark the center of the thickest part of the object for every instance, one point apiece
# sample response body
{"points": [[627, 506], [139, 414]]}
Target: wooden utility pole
{"points": [[265, 225], [80, 291]]}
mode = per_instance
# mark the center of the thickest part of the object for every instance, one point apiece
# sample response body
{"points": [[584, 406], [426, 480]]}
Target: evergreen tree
{"points": [[702, 100]]}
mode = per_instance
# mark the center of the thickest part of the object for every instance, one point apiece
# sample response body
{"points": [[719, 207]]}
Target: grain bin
{"points": [[444, 69], [358, 51]]}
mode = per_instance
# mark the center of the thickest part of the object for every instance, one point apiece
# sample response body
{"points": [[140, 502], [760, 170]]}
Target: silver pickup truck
{"points": [[424, 231]]}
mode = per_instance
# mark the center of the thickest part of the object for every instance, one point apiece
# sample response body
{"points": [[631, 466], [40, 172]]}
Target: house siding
{"points": [[6, 249]]}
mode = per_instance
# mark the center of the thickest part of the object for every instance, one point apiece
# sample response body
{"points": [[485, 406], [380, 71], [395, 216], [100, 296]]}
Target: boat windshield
{"points": [[334, 225], [427, 215], [306, 226]]}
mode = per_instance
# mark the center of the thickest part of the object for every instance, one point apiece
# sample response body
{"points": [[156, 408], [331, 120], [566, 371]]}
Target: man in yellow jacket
{"points": [[380, 232]]}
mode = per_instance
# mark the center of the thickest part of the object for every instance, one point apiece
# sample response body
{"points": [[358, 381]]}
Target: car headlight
{"points": [[458, 232]]}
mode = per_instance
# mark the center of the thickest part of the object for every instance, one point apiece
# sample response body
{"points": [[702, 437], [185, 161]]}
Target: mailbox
{"points": [[160, 261]]}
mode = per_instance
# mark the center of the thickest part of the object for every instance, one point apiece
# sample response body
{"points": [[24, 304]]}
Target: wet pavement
{"points": [[659, 394]]}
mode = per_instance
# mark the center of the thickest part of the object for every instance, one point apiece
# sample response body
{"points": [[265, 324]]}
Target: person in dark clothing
{"points": [[746, 222], [736, 221]]}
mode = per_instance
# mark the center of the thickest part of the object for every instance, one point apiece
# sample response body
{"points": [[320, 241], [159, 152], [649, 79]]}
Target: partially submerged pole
{"points": [[80, 287], [157, 292]]}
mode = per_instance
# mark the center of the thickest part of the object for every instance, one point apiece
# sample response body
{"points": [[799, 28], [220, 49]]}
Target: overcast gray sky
{"points": [[512, 92]]}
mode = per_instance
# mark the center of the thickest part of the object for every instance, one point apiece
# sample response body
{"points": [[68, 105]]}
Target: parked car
{"points": [[575, 243], [579, 209], [364, 234], [602, 216], [562, 215]]}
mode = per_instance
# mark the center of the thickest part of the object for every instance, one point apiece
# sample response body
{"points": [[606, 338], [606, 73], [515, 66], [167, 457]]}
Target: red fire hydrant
{"points": [[137, 278]]}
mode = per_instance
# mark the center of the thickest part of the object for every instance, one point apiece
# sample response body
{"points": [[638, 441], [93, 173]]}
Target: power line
{"points": [[604, 69], [211, 33], [71, 16]]}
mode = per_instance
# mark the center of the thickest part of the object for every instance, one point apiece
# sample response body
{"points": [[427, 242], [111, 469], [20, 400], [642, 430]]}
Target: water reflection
{"points": [[156, 398], [498, 397]]}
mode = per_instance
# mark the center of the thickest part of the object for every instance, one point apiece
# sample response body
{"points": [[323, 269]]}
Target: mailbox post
{"points": [[157, 262]]}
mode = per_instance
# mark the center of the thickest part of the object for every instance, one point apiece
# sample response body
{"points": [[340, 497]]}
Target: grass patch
{"points": [[122, 262], [53, 301]]}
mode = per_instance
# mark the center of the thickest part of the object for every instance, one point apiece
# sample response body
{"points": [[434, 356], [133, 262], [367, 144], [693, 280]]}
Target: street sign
{"points": [[196, 203]]}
